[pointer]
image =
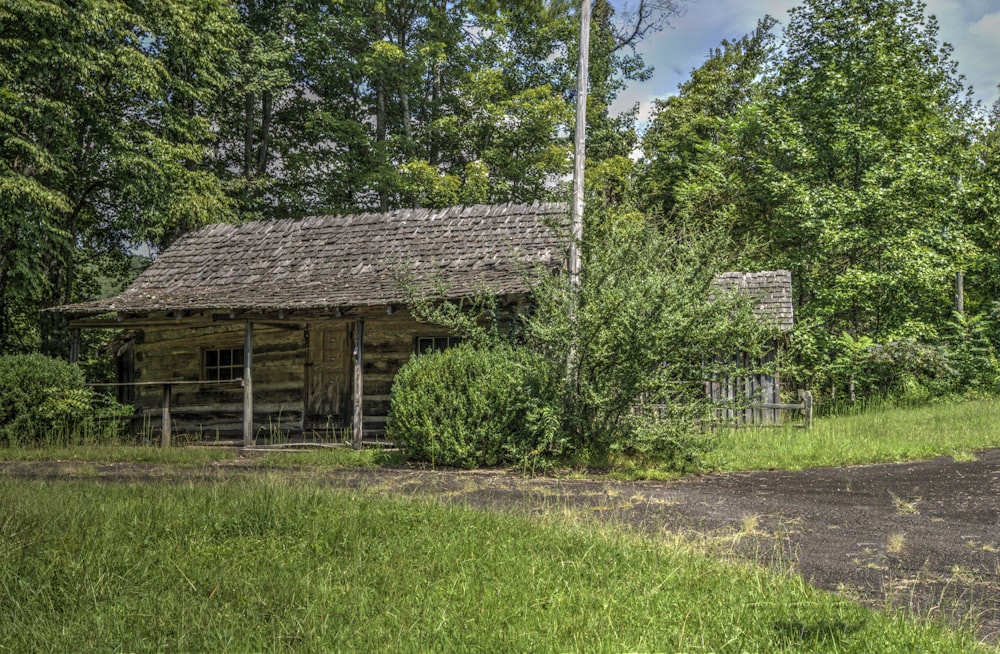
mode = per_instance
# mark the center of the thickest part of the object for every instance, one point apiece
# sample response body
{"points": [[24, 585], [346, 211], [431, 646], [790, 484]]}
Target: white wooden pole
{"points": [[165, 422], [576, 210], [579, 147]]}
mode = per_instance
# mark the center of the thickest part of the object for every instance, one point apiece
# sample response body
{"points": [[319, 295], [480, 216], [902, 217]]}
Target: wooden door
{"points": [[328, 377]]}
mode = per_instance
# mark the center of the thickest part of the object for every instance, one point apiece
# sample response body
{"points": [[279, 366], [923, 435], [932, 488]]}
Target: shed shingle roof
{"points": [[326, 262], [771, 288]]}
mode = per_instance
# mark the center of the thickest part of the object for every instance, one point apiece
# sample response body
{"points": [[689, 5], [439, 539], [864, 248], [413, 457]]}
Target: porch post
{"points": [[359, 381], [165, 425], [248, 386]]}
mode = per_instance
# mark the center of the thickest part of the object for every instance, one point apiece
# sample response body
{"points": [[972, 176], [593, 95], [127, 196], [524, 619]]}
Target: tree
{"points": [[645, 318], [849, 156], [981, 188], [689, 129], [879, 142], [103, 144]]}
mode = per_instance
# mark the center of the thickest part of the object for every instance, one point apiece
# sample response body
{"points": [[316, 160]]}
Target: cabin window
{"points": [[432, 343], [223, 364]]}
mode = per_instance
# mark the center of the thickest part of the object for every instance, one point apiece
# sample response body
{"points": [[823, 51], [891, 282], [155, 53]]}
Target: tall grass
{"points": [[879, 434], [265, 566]]}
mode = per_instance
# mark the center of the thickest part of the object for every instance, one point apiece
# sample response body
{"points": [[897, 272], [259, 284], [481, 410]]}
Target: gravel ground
{"points": [[924, 536]]}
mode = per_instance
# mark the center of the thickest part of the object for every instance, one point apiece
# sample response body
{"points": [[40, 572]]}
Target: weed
{"points": [[905, 507], [896, 544]]}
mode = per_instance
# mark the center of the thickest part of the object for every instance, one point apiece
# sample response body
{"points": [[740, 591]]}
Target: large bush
{"points": [[643, 329], [471, 406], [42, 399]]}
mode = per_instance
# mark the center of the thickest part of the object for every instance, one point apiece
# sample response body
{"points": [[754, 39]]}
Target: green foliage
{"points": [[848, 369], [102, 144], [853, 157], [472, 406], [642, 330], [686, 129], [44, 399]]}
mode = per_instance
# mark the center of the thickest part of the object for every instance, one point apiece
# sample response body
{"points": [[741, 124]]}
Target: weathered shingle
{"points": [[324, 262], [771, 288]]}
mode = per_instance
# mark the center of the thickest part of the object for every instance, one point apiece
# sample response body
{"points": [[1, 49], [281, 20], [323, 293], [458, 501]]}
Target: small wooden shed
{"points": [[301, 325], [759, 392]]}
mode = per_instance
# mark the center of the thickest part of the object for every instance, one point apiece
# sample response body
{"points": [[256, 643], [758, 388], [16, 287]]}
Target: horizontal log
{"points": [[172, 382]]}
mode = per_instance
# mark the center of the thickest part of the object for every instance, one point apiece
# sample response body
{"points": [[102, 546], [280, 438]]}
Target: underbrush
{"points": [[262, 565], [45, 401]]}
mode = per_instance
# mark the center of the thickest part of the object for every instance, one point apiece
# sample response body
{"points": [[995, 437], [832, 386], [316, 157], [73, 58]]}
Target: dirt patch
{"points": [[922, 536]]}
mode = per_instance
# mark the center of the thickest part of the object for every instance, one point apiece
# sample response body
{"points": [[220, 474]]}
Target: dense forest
{"points": [[843, 147]]}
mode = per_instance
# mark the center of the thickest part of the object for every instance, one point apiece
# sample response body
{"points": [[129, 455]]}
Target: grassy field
{"points": [[200, 456], [875, 436], [878, 435], [265, 566]]}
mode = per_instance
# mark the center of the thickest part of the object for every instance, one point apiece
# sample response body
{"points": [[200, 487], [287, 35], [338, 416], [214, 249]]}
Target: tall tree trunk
{"points": [[52, 326], [267, 102], [4, 307], [380, 135], [404, 99], [434, 156], [248, 122]]}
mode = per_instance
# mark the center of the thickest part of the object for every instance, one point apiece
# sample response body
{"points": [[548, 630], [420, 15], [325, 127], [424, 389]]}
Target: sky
{"points": [[972, 27]]}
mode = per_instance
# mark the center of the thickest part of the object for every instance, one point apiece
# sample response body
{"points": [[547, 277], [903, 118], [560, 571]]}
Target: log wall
{"points": [[281, 366], [175, 354]]}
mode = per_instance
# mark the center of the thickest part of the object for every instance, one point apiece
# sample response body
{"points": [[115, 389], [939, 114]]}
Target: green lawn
{"points": [[187, 456], [875, 436], [262, 565], [878, 435]]}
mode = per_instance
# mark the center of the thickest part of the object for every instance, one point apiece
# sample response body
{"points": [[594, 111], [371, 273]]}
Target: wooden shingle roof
{"points": [[327, 262], [771, 288]]}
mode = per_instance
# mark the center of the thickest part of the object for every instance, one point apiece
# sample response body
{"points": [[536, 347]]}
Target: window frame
{"points": [[436, 343], [214, 370]]}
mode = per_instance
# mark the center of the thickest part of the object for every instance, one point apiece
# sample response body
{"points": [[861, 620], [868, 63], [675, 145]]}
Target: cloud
{"points": [[684, 46], [984, 53], [972, 27]]}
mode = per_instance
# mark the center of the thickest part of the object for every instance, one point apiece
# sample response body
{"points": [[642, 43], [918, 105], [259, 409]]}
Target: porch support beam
{"points": [[248, 386], [359, 381], [165, 425]]}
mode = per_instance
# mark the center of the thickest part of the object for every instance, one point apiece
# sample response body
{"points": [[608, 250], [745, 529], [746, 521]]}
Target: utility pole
{"points": [[579, 145], [576, 212]]}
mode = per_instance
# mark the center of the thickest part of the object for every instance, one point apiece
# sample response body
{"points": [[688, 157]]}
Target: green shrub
{"points": [[847, 372], [641, 329], [43, 398], [469, 406]]}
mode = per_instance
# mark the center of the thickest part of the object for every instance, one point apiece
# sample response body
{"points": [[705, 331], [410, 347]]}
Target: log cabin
{"points": [[300, 326]]}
